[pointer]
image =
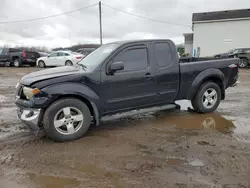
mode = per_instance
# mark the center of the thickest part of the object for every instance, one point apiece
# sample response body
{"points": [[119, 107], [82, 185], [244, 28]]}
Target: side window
{"points": [[134, 59], [53, 55], [62, 54], [163, 55]]}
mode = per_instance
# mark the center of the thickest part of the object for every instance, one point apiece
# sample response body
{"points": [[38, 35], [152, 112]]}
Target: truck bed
{"points": [[191, 70]]}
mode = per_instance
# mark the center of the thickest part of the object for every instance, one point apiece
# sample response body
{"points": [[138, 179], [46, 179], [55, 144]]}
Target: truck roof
{"points": [[141, 40]]}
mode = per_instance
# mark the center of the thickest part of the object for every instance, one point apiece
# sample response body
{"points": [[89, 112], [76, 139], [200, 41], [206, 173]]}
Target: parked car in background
{"points": [[244, 58], [16, 57], [231, 53], [59, 58], [145, 73], [85, 51]]}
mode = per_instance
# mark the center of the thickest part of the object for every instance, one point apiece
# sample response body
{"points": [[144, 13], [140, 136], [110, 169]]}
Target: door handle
{"points": [[148, 76]]}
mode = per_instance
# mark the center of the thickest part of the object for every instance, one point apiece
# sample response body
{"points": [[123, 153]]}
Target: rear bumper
{"points": [[235, 84]]}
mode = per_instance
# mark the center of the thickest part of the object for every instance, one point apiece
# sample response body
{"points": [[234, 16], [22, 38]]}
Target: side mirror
{"points": [[48, 56], [116, 66]]}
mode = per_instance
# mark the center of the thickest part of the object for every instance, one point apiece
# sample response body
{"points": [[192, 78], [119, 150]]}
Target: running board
{"points": [[141, 111]]}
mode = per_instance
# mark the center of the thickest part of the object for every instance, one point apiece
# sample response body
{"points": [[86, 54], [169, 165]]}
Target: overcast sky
{"points": [[83, 26]]}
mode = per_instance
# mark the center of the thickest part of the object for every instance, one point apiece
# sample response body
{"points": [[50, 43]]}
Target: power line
{"points": [[151, 19], [46, 17]]}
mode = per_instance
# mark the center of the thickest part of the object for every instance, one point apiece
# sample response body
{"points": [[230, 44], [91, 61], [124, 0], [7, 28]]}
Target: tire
{"points": [[243, 63], [59, 127], [41, 64], [16, 63], [203, 104], [68, 63]]}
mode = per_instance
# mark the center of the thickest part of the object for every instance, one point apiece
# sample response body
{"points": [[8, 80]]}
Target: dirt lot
{"points": [[169, 149]]}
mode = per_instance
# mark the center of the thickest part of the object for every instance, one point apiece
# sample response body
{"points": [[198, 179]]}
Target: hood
{"points": [[48, 74]]}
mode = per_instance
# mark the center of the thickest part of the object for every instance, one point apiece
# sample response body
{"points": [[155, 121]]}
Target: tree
{"points": [[181, 49]]}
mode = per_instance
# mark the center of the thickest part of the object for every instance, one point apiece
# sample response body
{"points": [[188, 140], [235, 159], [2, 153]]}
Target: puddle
{"points": [[176, 161], [196, 163], [194, 121], [52, 181]]}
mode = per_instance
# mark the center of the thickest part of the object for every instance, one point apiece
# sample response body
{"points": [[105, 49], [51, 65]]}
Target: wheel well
{"points": [[82, 99], [244, 58], [15, 57], [218, 82], [68, 61]]}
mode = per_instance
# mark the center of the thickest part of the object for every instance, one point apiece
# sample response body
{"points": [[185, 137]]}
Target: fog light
{"points": [[31, 113]]}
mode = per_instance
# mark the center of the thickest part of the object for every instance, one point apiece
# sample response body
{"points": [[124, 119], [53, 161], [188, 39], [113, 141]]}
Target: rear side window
{"points": [[63, 54], [134, 59], [14, 50], [163, 55]]}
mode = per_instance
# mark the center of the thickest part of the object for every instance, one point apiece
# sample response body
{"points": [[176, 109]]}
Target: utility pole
{"points": [[100, 20]]}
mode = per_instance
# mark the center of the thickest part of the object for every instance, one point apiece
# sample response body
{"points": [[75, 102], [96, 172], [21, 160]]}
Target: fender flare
{"points": [[210, 73], [78, 90]]}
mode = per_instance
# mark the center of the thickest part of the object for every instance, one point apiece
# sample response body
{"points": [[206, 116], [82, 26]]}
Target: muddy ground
{"points": [[170, 149]]}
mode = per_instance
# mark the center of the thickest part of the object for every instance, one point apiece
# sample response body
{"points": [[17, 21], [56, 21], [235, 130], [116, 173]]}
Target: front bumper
{"points": [[31, 117]]}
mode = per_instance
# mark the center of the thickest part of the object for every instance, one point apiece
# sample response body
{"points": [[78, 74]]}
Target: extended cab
{"points": [[119, 77], [17, 57]]}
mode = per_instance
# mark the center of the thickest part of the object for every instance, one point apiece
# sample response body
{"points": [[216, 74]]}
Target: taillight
{"points": [[232, 66], [24, 54], [78, 57]]}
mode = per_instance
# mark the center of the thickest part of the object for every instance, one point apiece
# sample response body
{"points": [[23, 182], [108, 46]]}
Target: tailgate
{"points": [[32, 55]]}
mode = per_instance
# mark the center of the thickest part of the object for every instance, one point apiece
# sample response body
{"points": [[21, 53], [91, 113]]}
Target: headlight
{"points": [[30, 92]]}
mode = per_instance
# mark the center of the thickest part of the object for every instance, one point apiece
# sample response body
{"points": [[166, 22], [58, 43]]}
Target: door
{"points": [[52, 59], [167, 71], [131, 87], [4, 55], [62, 58]]}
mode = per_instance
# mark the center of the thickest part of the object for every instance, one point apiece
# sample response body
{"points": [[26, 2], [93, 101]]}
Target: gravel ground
{"points": [[167, 148]]}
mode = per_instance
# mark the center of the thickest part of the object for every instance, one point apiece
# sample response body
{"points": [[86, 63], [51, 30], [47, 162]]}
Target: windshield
{"points": [[97, 56]]}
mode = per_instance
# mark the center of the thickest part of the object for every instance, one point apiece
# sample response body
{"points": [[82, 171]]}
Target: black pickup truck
{"points": [[119, 77], [17, 57]]}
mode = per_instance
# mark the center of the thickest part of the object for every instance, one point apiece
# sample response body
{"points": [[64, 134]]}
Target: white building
{"points": [[218, 32]]}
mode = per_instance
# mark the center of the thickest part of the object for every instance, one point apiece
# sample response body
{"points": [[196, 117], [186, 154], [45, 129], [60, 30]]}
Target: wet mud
{"points": [[165, 148]]}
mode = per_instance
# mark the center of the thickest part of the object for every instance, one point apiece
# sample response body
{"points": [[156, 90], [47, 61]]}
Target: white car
{"points": [[59, 58]]}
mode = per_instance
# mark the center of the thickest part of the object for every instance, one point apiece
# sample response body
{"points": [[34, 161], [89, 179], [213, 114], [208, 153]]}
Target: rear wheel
{"points": [[41, 64], [67, 119], [243, 63], [16, 62], [69, 63], [207, 98]]}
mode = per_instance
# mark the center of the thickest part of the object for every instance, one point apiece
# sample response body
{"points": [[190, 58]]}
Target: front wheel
{"points": [[67, 119], [207, 98], [68, 63], [243, 63], [41, 64]]}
